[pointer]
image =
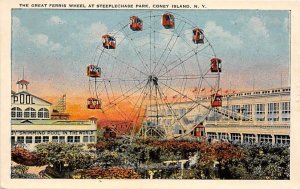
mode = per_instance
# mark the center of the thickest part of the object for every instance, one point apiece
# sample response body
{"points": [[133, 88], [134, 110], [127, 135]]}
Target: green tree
{"points": [[21, 171], [64, 158]]}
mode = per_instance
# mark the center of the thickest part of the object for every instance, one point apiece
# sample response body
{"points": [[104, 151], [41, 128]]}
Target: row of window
{"points": [[273, 108], [17, 112], [45, 139], [246, 109], [251, 138]]}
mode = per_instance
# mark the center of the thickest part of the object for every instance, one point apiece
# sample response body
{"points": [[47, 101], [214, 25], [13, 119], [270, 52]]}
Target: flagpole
{"points": [[253, 87], [281, 80]]}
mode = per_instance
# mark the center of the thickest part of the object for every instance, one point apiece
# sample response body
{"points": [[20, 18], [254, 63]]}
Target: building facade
{"points": [[31, 122], [28, 106], [253, 117], [32, 132]]}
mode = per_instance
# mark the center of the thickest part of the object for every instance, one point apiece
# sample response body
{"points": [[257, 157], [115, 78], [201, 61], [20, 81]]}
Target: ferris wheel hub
{"points": [[153, 79]]}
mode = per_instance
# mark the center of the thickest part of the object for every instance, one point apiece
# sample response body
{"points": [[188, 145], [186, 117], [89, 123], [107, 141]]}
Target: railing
{"points": [[248, 123]]}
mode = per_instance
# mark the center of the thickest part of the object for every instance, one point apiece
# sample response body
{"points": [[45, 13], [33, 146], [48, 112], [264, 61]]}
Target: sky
{"points": [[55, 46]]}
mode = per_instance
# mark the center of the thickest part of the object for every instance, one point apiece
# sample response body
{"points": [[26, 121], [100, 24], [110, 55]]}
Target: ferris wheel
{"points": [[153, 71]]}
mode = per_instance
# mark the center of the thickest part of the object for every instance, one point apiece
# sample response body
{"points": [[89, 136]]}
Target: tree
{"points": [[63, 158], [106, 173], [109, 158], [23, 156], [21, 171]]}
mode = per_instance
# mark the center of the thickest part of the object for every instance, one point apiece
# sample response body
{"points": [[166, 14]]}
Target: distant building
{"points": [[253, 117], [33, 132], [31, 123], [113, 128]]}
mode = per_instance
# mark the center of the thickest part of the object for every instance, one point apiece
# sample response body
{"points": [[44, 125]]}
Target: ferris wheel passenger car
{"points": [[215, 65], [216, 100], [168, 21], [109, 42], [198, 36], [136, 24], [93, 103], [93, 71]]}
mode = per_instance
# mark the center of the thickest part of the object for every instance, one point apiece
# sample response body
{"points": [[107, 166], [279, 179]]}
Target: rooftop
{"points": [[51, 122]]}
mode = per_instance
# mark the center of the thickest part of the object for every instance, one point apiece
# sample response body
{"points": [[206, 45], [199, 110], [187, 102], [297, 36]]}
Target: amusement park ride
{"points": [[152, 61]]}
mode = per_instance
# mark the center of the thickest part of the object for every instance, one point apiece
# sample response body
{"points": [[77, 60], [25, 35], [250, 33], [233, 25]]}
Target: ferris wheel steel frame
{"points": [[157, 68]]}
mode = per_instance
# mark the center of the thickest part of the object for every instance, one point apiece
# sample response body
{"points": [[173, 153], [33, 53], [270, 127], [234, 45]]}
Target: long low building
{"points": [[254, 117], [33, 132]]}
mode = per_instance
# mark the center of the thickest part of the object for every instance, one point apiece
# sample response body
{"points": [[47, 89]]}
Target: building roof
{"points": [[22, 81], [14, 94], [51, 122]]}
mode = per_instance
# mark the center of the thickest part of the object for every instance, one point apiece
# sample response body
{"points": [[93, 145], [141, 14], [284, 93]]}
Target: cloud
{"points": [[217, 33], [91, 34], [39, 40], [55, 20], [42, 40], [23, 36], [258, 26]]}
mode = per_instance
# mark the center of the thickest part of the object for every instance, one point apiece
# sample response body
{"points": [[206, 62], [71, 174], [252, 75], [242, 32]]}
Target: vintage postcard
{"points": [[149, 95]]}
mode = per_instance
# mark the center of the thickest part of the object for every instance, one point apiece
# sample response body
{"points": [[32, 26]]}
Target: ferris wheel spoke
{"points": [[178, 92], [140, 97], [124, 96], [167, 47], [122, 61], [201, 80], [141, 107], [164, 66], [184, 83], [138, 53], [181, 62], [175, 118]]}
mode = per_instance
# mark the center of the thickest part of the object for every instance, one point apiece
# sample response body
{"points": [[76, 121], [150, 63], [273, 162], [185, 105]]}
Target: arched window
{"points": [[16, 112], [43, 113], [30, 112]]}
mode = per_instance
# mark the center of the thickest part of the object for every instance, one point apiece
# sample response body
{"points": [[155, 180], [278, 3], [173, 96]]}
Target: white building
{"points": [[33, 132], [31, 123], [28, 106], [257, 116]]}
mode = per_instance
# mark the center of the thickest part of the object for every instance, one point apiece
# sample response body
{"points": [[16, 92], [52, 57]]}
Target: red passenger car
{"points": [[93, 103], [216, 100], [215, 65], [198, 36], [93, 71], [109, 42], [136, 24], [168, 21], [199, 131]]}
